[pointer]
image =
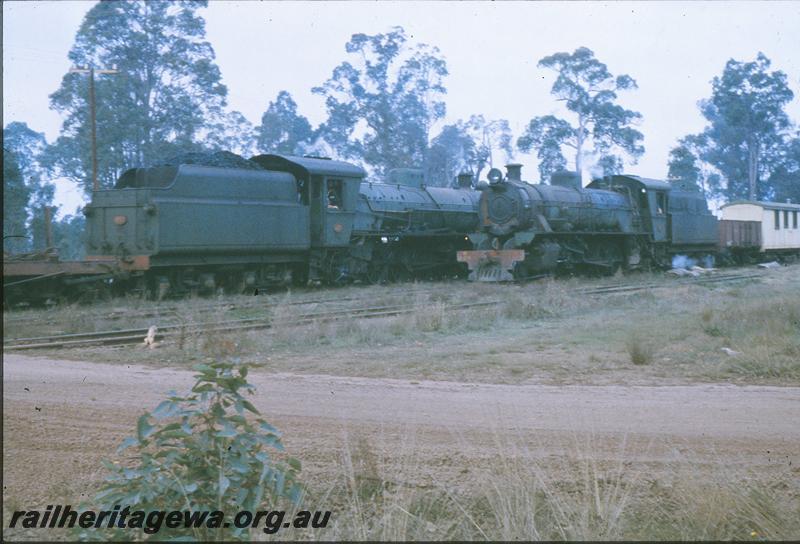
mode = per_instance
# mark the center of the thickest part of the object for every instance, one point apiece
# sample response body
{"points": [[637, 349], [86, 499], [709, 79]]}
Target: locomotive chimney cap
{"points": [[514, 170]]}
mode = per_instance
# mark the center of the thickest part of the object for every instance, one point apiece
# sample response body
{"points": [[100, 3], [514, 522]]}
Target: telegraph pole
{"points": [[48, 227], [93, 113]]}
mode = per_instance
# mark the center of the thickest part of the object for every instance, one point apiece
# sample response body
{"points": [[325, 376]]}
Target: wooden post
{"points": [[93, 114], [48, 227], [95, 185]]}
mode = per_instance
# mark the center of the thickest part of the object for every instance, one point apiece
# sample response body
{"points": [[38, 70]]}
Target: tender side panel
{"points": [[202, 210], [224, 225], [692, 224]]}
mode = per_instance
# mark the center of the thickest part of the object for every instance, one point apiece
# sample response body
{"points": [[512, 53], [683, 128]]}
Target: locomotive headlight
{"points": [[495, 176]]}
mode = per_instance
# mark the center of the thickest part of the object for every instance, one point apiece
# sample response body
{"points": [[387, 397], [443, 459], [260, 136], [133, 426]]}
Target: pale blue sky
{"points": [[672, 49]]}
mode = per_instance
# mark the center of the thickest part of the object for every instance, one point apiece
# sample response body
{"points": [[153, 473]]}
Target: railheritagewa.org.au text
{"points": [[153, 521]]}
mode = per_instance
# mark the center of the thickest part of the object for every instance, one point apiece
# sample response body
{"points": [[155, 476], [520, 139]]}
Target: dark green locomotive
{"points": [[198, 228], [619, 221]]}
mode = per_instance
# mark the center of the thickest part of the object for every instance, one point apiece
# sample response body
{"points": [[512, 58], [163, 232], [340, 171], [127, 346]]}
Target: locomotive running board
{"points": [[491, 265]]}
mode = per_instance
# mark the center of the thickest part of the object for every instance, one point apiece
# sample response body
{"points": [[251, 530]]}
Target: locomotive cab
{"points": [[330, 188]]}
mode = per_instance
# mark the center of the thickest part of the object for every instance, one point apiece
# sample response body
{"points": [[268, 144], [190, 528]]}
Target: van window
{"points": [[786, 219], [794, 220], [777, 220]]}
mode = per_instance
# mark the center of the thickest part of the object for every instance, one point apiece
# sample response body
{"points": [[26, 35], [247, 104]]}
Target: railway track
{"points": [[160, 311], [267, 302], [135, 336], [701, 280], [172, 330]]}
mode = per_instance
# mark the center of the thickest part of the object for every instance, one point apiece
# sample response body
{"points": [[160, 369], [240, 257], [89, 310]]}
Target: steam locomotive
{"points": [[619, 221], [195, 228]]}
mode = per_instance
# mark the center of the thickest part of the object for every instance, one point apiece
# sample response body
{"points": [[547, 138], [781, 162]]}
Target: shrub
{"points": [[201, 452], [640, 352]]}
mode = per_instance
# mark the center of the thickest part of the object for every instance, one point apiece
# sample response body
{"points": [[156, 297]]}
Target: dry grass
{"points": [[520, 497], [594, 490], [541, 332], [639, 349], [765, 331]]}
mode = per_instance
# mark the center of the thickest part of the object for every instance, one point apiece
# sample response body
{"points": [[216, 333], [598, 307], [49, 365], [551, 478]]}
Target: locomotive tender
{"points": [[197, 228], [619, 221]]}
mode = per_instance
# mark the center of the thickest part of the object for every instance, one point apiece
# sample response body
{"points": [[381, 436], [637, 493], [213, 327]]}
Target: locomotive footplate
{"points": [[491, 264]]}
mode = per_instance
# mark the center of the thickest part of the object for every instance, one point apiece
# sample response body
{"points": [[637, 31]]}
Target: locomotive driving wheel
{"points": [[377, 273]]}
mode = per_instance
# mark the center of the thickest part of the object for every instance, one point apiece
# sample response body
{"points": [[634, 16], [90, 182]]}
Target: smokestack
{"points": [[514, 172], [465, 180]]}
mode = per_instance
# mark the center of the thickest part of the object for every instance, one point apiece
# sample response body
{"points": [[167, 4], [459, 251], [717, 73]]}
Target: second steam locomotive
{"points": [[618, 221]]}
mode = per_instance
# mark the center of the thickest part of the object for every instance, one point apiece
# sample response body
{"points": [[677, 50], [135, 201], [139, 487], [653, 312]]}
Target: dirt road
{"points": [[61, 417]]}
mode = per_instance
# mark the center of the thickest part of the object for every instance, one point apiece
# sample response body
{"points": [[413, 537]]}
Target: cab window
{"points": [[302, 191], [335, 194], [660, 203]]}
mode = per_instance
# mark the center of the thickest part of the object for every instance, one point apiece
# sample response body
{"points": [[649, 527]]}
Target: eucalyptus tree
{"points": [[451, 152], [28, 147], [599, 126], [684, 163], [15, 201], [490, 136], [165, 98], [784, 180], [382, 101], [748, 126], [282, 129], [467, 146]]}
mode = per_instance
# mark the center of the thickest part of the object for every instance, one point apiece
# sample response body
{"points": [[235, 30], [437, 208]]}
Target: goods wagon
{"points": [[752, 230]]}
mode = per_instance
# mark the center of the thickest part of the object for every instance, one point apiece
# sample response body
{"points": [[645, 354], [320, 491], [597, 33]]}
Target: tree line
{"points": [[382, 102]]}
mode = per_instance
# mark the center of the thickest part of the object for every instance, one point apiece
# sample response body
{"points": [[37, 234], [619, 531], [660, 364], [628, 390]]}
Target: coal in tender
{"points": [[220, 159]]}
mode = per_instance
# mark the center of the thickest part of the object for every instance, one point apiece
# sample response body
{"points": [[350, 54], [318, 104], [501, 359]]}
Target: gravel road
{"points": [[61, 417]]}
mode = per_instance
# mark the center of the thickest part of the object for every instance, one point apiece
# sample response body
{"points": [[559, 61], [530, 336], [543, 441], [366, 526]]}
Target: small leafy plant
{"points": [[207, 451]]}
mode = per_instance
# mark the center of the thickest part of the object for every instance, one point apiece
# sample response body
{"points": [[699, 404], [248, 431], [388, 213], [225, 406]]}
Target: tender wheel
{"points": [[300, 275]]}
